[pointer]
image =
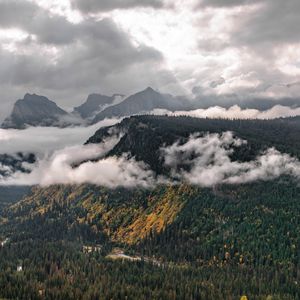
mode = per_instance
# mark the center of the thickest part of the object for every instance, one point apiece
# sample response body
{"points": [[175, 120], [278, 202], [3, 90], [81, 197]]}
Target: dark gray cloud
{"points": [[94, 6], [101, 49], [274, 22], [217, 82], [49, 29], [227, 3], [238, 49], [264, 37], [67, 61], [13, 13]]}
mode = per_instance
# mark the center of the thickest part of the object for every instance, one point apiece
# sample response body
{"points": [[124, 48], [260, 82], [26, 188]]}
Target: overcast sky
{"points": [[66, 49]]}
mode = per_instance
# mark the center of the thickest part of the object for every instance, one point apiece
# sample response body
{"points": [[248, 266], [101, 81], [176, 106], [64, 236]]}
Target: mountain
{"points": [[144, 101], [143, 136], [35, 110], [198, 241], [96, 103], [12, 194], [172, 241]]}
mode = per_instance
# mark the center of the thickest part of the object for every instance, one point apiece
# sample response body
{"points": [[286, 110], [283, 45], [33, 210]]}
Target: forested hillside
{"points": [[172, 241], [144, 135]]}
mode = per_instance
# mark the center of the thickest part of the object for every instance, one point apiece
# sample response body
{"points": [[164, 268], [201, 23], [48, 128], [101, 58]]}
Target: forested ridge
{"points": [[145, 135], [170, 242]]}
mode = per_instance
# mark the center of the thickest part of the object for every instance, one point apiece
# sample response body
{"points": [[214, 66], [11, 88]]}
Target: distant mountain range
{"points": [[142, 102], [35, 110]]}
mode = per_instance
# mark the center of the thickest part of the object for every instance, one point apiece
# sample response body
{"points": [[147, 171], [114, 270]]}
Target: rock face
{"points": [[144, 101], [35, 110], [94, 104]]}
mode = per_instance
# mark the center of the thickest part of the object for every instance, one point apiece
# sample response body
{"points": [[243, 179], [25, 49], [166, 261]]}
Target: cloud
{"points": [[95, 6], [109, 49], [202, 159], [110, 172], [292, 84], [273, 22], [43, 140], [36, 21], [217, 82], [100, 47], [13, 13], [205, 161], [251, 44], [234, 112], [45, 53], [226, 3], [6, 170]]}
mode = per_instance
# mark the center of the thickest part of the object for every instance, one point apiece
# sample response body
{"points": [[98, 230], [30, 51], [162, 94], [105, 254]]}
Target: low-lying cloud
{"points": [[205, 161], [41, 140], [234, 112], [202, 160], [86, 164]]}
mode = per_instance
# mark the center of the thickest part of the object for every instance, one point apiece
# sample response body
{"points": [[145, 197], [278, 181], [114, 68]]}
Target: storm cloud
{"points": [[70, 48], [46, 53], [95, 6]]}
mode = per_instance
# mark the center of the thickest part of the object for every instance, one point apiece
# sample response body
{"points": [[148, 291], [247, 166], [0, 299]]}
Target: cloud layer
{"points": [[94, 6], [234, 112], [67, 49], [62, 168], [43, 140], [44, 52], [200, 160], [208, 161]]}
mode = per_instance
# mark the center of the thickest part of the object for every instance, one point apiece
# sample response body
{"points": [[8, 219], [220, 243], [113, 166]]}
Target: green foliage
{"points": [[224, 242], [145, 135]]}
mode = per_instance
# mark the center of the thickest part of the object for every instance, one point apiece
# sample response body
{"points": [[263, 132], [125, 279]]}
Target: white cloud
{"points": [[234, 112], [205, 161], [42, 140], [61, 168]]}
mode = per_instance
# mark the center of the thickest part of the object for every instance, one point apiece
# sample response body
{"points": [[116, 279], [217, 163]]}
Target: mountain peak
{"points": [[94, 103], [150, 89], [34, 110], [141, 102], [28, 96], [34, 98]]}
